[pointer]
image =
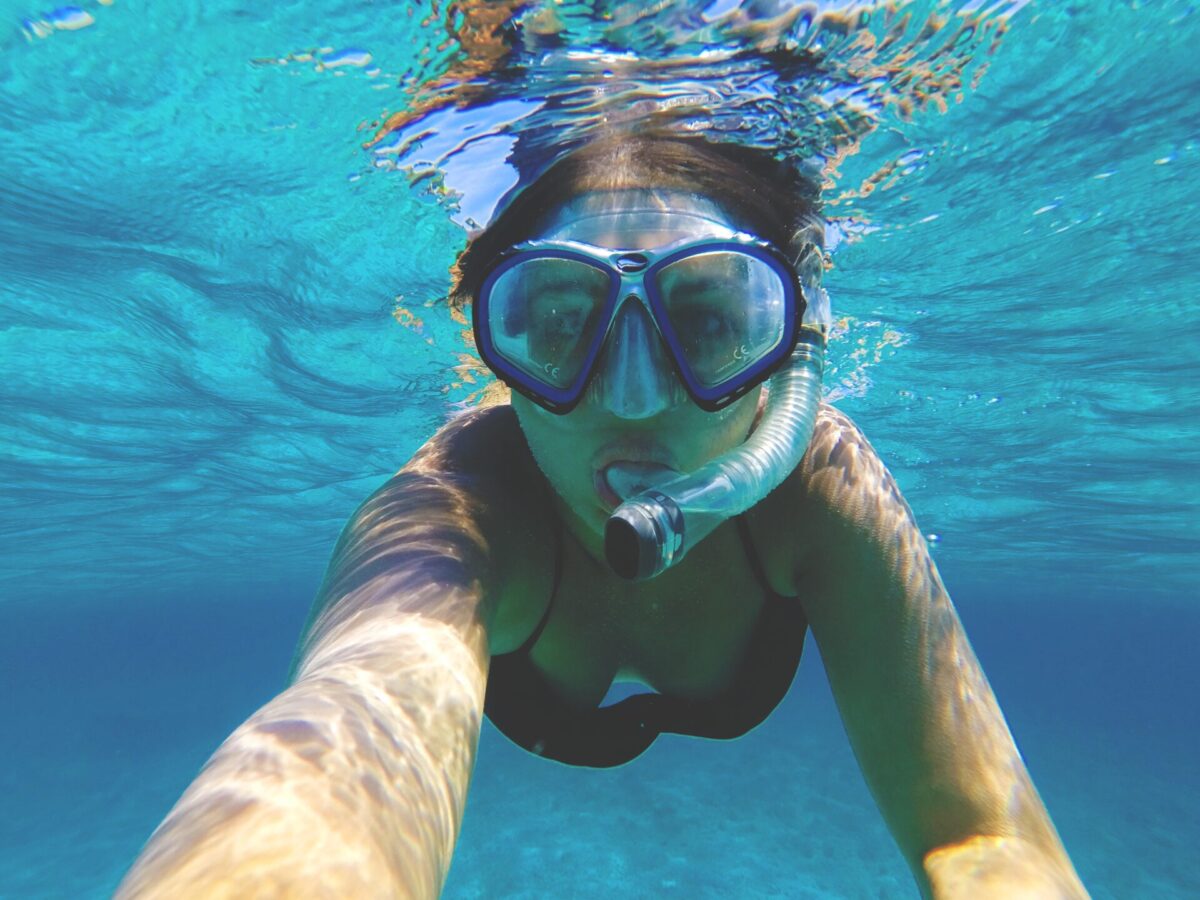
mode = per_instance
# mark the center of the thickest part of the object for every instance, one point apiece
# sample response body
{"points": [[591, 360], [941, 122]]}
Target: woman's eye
{"points": [[563, 320], [557, 324], [708, 320], [717, 323]]}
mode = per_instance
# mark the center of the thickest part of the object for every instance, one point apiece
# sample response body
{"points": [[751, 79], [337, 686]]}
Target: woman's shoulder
{"points": [[478, 440], [481, 463], [474, 475], [840, 485], [841, 475], [491, 486]]}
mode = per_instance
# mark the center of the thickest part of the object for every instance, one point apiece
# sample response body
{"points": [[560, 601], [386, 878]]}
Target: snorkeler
{"points": [[636, 298]]}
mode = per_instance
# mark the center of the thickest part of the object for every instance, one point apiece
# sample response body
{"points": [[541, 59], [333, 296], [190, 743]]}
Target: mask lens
{"points": [[726, 309], [543, 316]]}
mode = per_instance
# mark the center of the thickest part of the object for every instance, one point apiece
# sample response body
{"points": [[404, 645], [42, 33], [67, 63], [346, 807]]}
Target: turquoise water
{"points": [[216, 340]]}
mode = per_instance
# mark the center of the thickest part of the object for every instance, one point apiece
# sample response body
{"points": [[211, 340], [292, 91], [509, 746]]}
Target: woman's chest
{"points": [[684, 633]]}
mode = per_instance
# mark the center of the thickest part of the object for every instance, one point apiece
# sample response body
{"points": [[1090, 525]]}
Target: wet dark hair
{"points": [[771, 198]]}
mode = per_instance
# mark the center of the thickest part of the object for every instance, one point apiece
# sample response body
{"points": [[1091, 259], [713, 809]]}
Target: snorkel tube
{"points": [[664, 514], [651, 531]]}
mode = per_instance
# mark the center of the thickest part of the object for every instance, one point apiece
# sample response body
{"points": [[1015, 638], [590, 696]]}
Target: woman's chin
{"points": [[585, 521]]}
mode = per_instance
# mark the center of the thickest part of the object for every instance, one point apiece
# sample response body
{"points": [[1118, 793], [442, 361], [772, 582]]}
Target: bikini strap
{"points": [[526, 647], [756, 565]]}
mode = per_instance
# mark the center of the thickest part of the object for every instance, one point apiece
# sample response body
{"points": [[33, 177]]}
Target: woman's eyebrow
{"points": [[691, 282], [564, 285]]}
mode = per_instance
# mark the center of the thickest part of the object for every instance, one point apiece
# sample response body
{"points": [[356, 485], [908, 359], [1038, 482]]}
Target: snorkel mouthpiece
{"points": [[653, 530], [642, 537]]}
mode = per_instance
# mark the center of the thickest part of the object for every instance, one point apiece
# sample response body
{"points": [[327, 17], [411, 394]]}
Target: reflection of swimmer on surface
{"points": [[636, 298]]}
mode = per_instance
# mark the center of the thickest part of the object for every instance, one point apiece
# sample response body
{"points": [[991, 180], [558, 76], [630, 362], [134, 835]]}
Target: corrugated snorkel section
{"points": [[652, 531]]}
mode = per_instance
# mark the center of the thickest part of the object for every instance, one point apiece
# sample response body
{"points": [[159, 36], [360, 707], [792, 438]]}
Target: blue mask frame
{"points": [[632, 274]]}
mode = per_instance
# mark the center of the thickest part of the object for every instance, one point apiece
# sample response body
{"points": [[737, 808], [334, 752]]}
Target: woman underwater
{"points": [[636, 297]]}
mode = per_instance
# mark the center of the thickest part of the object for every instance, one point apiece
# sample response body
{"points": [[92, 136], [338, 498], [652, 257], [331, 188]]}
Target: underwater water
{"points": [[219, 332]]}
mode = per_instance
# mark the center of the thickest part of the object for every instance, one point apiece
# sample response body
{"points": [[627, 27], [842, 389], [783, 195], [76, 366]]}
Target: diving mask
{"points": [[727, 309]]}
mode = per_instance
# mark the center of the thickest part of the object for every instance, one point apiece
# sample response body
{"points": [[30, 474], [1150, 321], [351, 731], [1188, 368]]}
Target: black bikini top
{"points": [[531, 713]]}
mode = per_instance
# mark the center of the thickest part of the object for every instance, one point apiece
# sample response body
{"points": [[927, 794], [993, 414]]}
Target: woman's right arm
{"points": [[352, 782]]}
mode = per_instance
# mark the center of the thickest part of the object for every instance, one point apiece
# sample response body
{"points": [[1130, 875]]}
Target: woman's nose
{"points": [[635, 378]]}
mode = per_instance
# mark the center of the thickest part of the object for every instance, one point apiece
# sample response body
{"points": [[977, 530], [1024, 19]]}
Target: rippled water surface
{"points": [[224, 232]]}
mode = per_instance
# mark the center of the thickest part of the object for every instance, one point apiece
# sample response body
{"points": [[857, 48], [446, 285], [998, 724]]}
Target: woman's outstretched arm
{"points": [[921, 716], [352, 782]]}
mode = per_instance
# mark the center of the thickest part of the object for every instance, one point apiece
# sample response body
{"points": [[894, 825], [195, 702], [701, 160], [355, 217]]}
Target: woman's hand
{"points": [[998, 868]]}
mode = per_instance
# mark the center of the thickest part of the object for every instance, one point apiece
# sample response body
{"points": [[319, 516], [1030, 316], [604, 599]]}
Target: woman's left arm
{"points": [[925, 726]]}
